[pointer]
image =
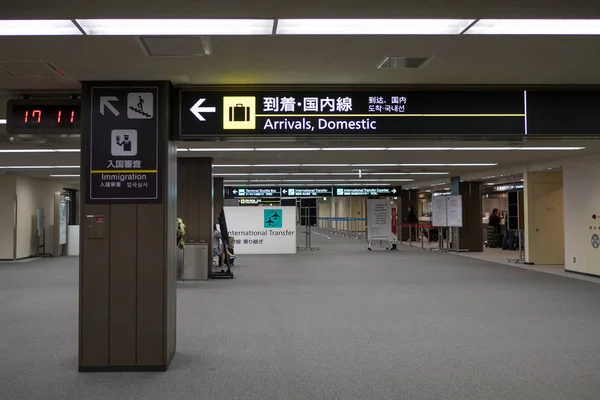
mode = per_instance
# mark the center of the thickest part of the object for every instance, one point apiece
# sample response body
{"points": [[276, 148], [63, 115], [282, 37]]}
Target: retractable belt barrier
{"points": [[342, 226]]}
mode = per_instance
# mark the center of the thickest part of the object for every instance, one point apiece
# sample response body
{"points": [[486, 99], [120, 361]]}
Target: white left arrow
{"points": [[105, 103], [196, 110]]}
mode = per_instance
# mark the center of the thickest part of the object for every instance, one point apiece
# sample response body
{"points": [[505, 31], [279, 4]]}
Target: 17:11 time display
{"points": [[59, 116]]}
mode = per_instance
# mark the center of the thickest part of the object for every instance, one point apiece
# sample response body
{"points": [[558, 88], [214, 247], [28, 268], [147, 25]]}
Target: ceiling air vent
{"points": [[394, 62], [30, 69], [175, 46]]}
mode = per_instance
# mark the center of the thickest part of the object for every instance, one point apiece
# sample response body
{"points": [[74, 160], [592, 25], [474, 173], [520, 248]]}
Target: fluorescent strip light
{"points": [[68, 150], [419, 148], [182, 149], [451, 165], [222, 149], [325, 165], [271, 174], [27, 150], [38, 166], [232, 165], [535, 27], [2, 122], [315, 173], [234, 181], [372, 26], [484, 148], [353, 148], [64, 176], [374, 165], [407, 173], [288, 149], [180, 27], [33, 27], [550, 148], [232, 174], [276, 165]]}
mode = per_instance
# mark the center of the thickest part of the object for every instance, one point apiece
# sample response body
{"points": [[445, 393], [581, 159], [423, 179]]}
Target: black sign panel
{"points": [[555, 113], [367, 191], [123, 165], [56, 116], [223, 111], [256, 192], [307, 191]]}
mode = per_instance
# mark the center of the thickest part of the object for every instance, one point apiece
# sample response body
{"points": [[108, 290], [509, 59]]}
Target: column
{"points": [[127, 289], [408, 198], [471, 234], [195, 200], [544, 218], [218, 197]]}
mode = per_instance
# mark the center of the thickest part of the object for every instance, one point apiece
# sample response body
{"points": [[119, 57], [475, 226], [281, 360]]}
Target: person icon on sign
{"points": [[140, 104], [125, 143]]}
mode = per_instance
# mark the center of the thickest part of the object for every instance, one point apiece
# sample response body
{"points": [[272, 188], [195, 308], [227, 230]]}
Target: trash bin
{"points": [[195, 262]]}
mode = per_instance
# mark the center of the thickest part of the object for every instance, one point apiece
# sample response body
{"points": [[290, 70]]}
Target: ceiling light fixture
{"points": [[353, 148], [38, 166], [34, 27], [325, 165], [27, 150], [419, 148], [288, 149], [374, 165], [451, 165], [221, 149], [232, 165], [2, 122], [408, 173], [535, 27], [276, 165], [180, 27], [372, 26], [64, 176]]}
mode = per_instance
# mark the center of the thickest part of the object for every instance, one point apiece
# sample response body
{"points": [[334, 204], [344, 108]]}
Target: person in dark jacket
{"points": [[411, 217], [495, 220], [412, 220]]}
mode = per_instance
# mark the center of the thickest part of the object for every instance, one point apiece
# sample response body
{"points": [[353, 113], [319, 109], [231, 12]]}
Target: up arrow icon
{"points": [[197, 110]]}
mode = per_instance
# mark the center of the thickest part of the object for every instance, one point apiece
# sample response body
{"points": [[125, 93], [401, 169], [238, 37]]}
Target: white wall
{"points": [[8, 185], [581, 183], [32, 194]]}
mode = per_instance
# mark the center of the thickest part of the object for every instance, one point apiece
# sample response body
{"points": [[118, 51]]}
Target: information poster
{"points": [[63, 223], [262, 230], [439, 211], [379, 219], [454, 211]]}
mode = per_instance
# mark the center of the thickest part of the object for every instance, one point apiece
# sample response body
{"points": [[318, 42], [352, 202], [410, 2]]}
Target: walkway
{"points": [[339, 323]]}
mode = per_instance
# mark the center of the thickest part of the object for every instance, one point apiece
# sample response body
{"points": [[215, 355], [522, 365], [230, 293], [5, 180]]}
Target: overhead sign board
{"points": [[307, 191], [122, 151], [367, 191], [226, 111], [256, 192]]}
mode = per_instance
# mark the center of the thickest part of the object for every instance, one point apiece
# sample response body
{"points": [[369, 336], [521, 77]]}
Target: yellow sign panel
{"points": [[239, 112]]}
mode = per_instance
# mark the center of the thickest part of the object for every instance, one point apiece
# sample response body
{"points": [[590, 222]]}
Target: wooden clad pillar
{"points": [[127, 288]]}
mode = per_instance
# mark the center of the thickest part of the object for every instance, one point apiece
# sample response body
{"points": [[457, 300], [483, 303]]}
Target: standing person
{"points": [[218, 247], [412, 220], [495, 220], [494, 233]]}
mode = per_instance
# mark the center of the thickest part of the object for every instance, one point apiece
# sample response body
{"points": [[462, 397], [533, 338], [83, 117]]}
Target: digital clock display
{"points": [[46, 116]]}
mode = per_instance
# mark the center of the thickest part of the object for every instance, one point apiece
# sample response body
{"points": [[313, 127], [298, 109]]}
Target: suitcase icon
{"points": [[239, 113]]}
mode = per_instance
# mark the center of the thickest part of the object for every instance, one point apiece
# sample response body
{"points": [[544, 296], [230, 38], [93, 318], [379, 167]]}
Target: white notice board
{"points": [[262, 230], [379, 218], [454, 211], [439, 211], [62, 237]]}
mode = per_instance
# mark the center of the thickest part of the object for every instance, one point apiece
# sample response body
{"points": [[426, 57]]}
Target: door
{"points": [[7, 226], [547, 245]]}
